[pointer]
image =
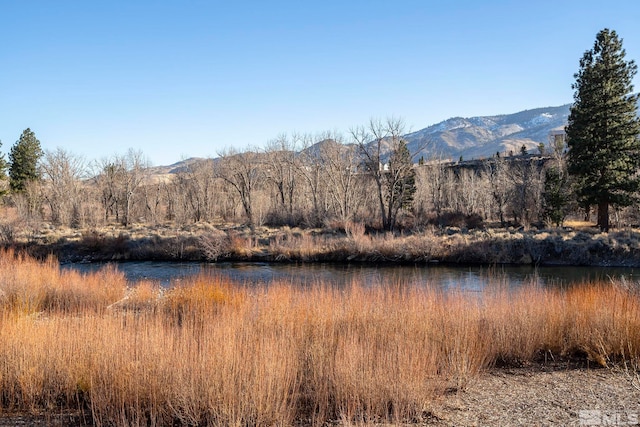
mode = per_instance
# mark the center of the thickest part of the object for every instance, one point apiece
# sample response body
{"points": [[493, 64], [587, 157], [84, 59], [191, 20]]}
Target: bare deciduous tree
{"points": [[119, 179], [244, 173], [436, 179], [30, 201], [338, 167], [311, 170], [195, 184], [499, 184], [394, 179], [526, 183], [281, 171], [63, 173], [469, 191]]}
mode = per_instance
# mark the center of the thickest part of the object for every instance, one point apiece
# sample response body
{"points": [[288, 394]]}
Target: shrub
{"points": [[458, 219], [214, 245]]}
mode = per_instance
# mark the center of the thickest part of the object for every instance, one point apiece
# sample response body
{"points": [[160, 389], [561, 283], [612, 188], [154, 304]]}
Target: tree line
{"points": [[306, 181], [367, 176]]}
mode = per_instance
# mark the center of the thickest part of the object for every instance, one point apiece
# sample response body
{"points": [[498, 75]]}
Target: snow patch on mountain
{"points": [[484, 136]]}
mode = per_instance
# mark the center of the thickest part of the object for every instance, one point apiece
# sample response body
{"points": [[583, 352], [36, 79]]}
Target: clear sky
{"points": [[178, 79]]}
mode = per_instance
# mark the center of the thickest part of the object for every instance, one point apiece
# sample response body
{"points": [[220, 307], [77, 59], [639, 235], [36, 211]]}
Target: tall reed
{"points": [[213, 353]]}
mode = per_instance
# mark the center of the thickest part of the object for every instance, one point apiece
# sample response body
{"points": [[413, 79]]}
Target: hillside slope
{"points": [[484, 136]]}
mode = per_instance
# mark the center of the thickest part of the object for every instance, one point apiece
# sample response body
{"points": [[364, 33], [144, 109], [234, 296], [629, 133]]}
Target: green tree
{"points": [[3, 173], [603, 128], [3, 165], [400, 182], [555, 197], [24, 157]]}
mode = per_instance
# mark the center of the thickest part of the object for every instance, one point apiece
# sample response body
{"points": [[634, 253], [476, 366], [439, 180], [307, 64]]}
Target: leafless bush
{"points": [[354, 230], [214, 245], [458, 219], [96, 241], [7, 232]]}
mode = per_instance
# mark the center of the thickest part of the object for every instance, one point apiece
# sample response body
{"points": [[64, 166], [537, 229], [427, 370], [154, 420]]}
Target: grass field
{"points": [[215, 353]]}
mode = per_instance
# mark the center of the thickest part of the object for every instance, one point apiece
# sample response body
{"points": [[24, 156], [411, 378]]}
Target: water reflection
{"points": [[471, 278]]}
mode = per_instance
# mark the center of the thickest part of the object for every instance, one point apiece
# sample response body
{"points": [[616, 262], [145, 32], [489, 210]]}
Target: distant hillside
{"points": [[477, 137], [471, 138], [176, 167], [164, 173]]}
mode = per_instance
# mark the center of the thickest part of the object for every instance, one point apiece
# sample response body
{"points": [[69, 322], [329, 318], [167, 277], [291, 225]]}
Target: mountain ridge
{"points": [[471, 137], [484, 136]]}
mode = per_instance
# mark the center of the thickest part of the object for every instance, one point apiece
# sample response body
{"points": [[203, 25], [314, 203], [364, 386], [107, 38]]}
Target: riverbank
{"points": [[209, 352], [203, 242]]}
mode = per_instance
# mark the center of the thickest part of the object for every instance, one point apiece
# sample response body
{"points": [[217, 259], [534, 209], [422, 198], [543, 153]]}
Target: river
{"points": [[469, 278]]}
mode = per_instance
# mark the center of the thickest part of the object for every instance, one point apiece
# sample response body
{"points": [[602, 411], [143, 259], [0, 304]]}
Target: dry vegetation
{"points": [[215, 353], [336, 241], [302, 181], [348, 242]]}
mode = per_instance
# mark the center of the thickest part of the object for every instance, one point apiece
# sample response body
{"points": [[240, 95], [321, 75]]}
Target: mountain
{"points": [[471, 138], [484, 136], [164, 173]]}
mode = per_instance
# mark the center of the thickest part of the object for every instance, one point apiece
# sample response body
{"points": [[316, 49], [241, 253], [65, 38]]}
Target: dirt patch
{"points": [[48, 420], [547, 396]]}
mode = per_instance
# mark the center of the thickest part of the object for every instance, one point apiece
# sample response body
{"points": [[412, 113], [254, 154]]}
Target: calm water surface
{"points": [[446, 277]]}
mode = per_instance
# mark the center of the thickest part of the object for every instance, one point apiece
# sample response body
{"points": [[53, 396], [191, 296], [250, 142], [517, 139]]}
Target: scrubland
{"points": [[349, 242], [209, 352]]}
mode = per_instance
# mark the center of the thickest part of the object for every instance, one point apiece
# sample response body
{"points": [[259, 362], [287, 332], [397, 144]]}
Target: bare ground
{"points": [[45, 420], [543, 396]]}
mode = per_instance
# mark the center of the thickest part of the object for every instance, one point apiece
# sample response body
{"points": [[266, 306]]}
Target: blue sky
{"points": [[178, 79]]}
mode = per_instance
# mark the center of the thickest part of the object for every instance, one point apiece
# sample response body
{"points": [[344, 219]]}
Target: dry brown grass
{"points": [[349, 242], [28, 286], [214, 353], [577, 224]]}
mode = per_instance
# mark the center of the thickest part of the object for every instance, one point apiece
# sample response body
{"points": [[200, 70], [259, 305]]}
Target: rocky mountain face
{"points": [[479, 137]]}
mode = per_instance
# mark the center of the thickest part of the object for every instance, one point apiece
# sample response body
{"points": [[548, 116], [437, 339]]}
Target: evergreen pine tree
{"points": [[3, 174], [555, 197], [24, 157], [603, 128], [3, 165]]}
